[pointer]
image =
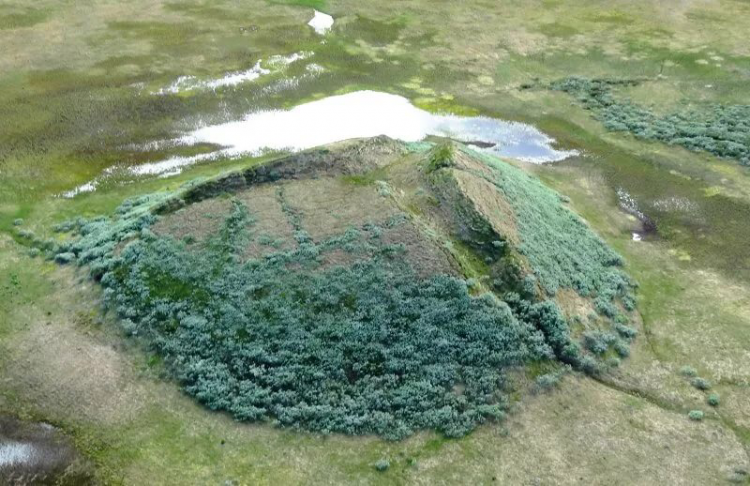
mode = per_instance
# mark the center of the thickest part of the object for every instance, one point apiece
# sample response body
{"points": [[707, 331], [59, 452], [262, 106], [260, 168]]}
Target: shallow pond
{"points": [[368, 114], [31, 450], [359, 114]]}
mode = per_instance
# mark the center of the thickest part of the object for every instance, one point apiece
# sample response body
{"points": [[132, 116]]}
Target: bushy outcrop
{"points": [[722, 130]]}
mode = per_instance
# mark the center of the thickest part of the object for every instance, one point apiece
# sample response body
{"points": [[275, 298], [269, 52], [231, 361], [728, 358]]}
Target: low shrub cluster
{"points": [[718, 129], [560, 248], [366, 348], [688, 371], [549, 381], [701, 384], [696, 415]]}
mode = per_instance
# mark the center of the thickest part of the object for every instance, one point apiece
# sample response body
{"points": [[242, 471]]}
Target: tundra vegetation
{"points": [[79, 84], [365, 348], [722, 130]]}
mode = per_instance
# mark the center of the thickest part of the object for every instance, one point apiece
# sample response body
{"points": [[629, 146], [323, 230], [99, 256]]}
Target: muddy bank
{"points": [[39, 454]]}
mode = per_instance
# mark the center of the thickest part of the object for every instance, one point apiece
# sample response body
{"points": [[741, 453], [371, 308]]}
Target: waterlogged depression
{"points": [[12, 453], [368, 114], [354, 115], [261, 68]]}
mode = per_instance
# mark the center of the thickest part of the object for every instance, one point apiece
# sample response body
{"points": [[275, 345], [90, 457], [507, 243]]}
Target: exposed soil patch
{"points": [[489, 203], [330, 206], [271, 230], [197, 222], [323, 193]]}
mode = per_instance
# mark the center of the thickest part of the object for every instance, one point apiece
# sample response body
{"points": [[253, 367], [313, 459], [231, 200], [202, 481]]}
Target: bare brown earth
{"points": [[324, 196]]}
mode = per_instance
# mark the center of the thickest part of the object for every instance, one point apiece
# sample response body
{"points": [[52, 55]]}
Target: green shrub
{"points": [[368, 348], [382, 465], [701, 383], [597, 342], [722, 130], [696, 415], [622, 349], [547, 381], [590, 366], [714, 400], [626, 332], [688, 371], [17, 222], [613, 362], [63, 258], [441, 157], [25, 234], [739, 476], [384, 189]]}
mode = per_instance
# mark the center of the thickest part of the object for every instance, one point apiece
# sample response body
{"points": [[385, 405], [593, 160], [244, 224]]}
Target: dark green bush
{"points": [[622, 349], [368, 348], [701, 383], [590, 366], [688, 371], [626, 332], [714, 400], [548, 381], [721, 130], [598, 342], [696, 415], [66, 257]]}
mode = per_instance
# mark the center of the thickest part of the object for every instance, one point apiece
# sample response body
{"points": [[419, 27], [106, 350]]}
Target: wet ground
{"points": [[38, 453], [360, 114]]}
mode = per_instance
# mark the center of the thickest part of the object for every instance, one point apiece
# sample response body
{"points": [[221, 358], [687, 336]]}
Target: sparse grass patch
{"points": [[316, 4], [20, 17]]}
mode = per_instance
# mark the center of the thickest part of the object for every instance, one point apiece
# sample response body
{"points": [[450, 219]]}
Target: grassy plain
{"points": [[74, 94]]}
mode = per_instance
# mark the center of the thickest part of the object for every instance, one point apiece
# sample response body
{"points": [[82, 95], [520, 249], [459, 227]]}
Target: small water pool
{"points": [[360, 114]]}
